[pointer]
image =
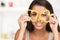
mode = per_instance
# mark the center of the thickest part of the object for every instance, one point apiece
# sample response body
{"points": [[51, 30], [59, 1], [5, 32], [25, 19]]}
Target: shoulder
{"points": [[59, 35], [16, 34]]}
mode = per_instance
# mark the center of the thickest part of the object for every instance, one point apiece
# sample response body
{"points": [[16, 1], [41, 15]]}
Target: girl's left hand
{"points": [[53, 22]]}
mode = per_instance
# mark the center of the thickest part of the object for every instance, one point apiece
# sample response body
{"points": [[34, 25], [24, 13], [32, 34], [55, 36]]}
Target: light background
{"points": [[10, 15]]}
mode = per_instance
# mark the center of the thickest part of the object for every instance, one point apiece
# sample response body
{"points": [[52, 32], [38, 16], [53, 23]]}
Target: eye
{"points": [[44, 14], [33, 13]]}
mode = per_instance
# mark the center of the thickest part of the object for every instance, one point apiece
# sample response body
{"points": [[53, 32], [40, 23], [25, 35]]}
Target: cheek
{"points": [[43, 23], [45, 18], [32, 17]]}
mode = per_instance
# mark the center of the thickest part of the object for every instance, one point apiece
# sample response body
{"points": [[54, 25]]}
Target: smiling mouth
{"points": [[39, 23]]}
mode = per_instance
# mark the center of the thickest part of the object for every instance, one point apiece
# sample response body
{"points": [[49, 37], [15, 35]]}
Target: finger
{"points": [[25, 18], [28, 19], [54, 21], [23, 15], [53, 16]]}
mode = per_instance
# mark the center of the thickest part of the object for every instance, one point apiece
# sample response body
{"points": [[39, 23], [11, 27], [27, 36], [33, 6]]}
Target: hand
{"points": [[22, 21], [53, 22]]}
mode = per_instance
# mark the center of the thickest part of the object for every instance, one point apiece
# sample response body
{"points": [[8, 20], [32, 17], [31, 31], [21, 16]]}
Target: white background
{"points": [[10, 15]]}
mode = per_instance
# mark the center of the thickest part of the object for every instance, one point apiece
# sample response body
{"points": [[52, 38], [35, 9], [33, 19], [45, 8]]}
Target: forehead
{"points": [[39, 8]]}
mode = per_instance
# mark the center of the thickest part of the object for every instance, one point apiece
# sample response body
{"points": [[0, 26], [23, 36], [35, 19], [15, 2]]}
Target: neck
{"points": [[41, 32]]}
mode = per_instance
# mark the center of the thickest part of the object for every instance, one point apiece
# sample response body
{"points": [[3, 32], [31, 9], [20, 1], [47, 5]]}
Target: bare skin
{"points": [[39, 32], [32, 36]]}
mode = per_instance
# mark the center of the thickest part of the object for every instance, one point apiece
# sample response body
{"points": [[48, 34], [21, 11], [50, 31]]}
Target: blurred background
{"points": [[10, 11]]}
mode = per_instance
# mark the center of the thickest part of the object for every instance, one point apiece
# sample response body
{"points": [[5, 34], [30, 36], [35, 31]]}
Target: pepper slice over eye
{"points": [[43, 14], [33, 13]]}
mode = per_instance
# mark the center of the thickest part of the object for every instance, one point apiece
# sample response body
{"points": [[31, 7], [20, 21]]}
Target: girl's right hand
{"points": [[22, 21]]}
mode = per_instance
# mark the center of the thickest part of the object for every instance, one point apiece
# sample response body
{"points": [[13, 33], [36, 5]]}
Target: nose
{"points": [[38, 18]]}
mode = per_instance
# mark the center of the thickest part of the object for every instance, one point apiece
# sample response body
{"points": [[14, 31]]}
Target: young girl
{"points": [[40, 23]]}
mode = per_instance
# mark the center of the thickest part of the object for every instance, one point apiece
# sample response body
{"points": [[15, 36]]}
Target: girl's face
{"points": [[39, 24]]}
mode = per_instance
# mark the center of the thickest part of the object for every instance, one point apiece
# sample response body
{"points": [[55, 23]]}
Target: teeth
{"points": [[38, 23]]}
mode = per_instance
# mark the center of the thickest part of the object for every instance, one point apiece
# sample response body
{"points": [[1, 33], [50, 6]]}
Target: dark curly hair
{"points": [[47, 5]]}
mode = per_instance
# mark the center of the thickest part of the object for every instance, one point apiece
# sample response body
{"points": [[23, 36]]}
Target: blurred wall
{"points": [[10, 15]]}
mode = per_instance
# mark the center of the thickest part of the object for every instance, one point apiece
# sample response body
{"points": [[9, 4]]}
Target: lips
{"points": [[39, 23]]}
